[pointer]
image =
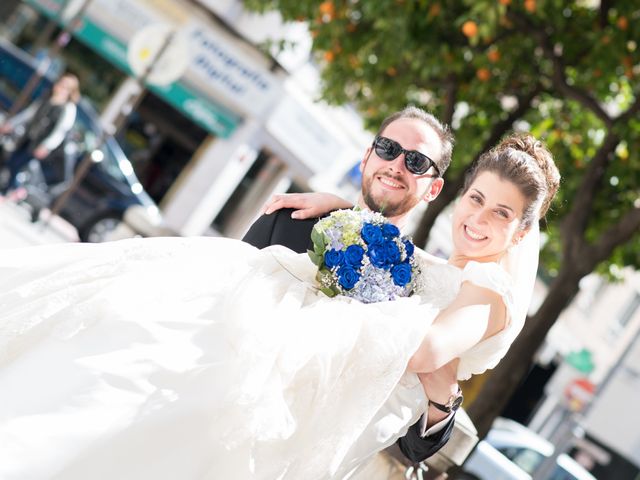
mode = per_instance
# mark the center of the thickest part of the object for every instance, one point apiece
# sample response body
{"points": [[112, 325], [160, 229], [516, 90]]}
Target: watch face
{"points": [[456, 403]]}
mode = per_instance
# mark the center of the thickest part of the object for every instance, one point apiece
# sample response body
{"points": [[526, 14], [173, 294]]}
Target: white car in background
{"points": [[511, 451]]}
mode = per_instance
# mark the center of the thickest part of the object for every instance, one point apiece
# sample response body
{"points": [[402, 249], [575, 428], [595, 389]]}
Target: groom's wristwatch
{"points": [[452, 404]]}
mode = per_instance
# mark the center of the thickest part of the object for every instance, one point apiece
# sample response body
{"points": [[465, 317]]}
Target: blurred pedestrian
{"points": [[45, 123]]}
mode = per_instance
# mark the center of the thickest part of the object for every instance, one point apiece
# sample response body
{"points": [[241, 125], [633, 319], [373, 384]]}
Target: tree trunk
{"points": [[449, 192], [505, 378]]}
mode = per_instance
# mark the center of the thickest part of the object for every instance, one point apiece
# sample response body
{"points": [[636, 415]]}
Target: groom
{"points": [[403, 167]]}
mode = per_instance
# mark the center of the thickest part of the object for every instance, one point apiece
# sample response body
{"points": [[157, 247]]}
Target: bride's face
{"points": [[486, 220]]}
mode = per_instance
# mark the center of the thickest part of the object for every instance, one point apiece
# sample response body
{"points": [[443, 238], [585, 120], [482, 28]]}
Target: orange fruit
{"points": [[327, 8], [622, 23], [392, 72], [505, 2], [469, 28], [329, 56], [493, 55], [483, 74], [530, 5]]}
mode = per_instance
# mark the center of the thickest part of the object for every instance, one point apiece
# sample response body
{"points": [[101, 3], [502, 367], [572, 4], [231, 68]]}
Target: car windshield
{"points": [[527, 459], [561, 474], [15, 72]]}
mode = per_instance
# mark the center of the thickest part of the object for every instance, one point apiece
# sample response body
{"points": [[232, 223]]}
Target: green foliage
{"points": [[382, 55], [315, 258]]}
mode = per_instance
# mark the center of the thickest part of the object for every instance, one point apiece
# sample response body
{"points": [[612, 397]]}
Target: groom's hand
{"points": [[439, 385], [306, 205]]}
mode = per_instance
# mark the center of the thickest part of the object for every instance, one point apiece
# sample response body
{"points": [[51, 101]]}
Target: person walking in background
{"points": [[45, 122]]}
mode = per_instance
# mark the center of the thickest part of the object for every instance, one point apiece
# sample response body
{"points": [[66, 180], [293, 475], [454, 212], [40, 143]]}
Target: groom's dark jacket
{"points": [[280, 229]]}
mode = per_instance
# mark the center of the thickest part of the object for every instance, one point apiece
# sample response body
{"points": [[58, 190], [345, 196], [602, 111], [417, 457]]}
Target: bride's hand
{"points": [[306, 205]]}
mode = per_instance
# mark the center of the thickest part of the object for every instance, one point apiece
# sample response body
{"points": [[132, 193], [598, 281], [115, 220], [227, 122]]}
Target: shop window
{"points": [[222, 220]]}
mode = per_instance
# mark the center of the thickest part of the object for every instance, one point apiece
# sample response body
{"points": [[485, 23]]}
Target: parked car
{"points": [[110, 187], [511, 451]]}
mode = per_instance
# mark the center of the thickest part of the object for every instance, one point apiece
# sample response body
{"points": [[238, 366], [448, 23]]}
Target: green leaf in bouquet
{"points": [[317, 238], [328, 292], [323, 276], [319, 249], [315, 258]]}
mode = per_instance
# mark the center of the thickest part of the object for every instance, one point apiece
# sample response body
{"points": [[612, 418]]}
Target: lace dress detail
{"points": [[200, 358]]}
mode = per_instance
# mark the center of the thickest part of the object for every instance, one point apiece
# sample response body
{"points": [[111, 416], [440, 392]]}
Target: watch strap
{"points": [[452, 404]]}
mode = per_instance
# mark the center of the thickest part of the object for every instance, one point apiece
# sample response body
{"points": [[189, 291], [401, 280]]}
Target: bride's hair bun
{"points": [[526, 162]]}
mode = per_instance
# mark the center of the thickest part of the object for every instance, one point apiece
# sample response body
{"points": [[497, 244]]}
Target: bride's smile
{"points": [[486, 220]]}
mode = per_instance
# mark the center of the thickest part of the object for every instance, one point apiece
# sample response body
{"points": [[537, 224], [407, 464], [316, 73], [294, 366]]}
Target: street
{"points": [[16, 229]]}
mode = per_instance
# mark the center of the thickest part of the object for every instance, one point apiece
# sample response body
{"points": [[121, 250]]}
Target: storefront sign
{"points": [[236, 76], [208, 115], [194, 105], [239, 78], [159, 54]]}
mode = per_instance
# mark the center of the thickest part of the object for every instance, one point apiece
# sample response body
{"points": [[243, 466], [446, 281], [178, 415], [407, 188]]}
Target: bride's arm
{"points": [[306, 205], [476, 313]]}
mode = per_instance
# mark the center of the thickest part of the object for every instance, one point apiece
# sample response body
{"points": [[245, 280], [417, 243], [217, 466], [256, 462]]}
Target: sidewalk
{"points": [[17, 230]]}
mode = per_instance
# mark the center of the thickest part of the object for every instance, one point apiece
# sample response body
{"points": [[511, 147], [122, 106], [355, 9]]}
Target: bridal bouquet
{"points": [[361, 255]]}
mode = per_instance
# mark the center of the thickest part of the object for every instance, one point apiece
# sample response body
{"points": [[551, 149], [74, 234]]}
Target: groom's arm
{"points": [[418, 447], [433, 430], [260, 232], [278, 228]]}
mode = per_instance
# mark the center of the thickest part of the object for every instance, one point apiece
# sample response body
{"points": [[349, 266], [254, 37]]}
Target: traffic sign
{"points": [[579, 393]]}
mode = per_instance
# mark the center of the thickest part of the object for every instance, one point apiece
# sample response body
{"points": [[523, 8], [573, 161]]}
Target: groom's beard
{"points": [[383, 204]]}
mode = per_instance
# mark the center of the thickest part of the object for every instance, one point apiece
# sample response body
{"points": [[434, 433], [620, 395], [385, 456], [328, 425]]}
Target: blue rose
{"points": [[376, 255], [333, 258], [353, 255], [371, 233], [390, 231], [391, 252], [348, 277], [401, 274], [409, 248]]}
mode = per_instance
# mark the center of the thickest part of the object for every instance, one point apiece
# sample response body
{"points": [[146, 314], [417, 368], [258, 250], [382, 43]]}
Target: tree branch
{"points": [[630, 112], [576, 221], [620, 233], [451, 95], [501, 127], [558, 76], [603, 13]]}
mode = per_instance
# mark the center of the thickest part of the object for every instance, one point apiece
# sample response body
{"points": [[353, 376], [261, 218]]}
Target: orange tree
{"points": [[567, 71]]}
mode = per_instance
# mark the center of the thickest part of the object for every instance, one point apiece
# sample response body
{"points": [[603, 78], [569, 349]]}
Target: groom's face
{"points": [[387, 186]]}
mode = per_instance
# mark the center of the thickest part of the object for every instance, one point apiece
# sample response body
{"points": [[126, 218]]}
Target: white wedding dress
{"points": [[206, 358]]}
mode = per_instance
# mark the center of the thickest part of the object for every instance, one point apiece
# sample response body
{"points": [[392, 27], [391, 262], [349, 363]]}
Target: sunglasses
{"points": [[416, 162]]}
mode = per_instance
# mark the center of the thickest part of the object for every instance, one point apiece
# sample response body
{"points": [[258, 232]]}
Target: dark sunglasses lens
{"points": [[417, 163], [387, 149]]}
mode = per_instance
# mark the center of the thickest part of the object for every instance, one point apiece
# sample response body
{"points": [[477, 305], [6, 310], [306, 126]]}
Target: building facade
{"points": [[212, 124]]}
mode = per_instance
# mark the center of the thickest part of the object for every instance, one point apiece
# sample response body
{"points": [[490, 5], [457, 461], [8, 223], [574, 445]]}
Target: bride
{"points": [[207, 358]]}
